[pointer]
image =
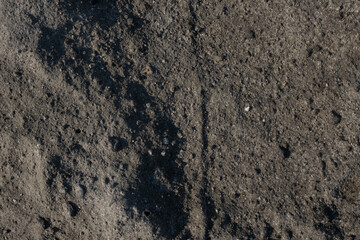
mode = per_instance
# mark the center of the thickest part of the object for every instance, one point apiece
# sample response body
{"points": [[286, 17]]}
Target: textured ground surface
{"points": [[192, 119]]}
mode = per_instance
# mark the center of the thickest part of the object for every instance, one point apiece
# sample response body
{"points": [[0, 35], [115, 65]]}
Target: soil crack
{"points": [[207, 202]]}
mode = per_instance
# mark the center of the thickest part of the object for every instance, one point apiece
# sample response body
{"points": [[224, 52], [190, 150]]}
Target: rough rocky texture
{"points": [[194, 119]]}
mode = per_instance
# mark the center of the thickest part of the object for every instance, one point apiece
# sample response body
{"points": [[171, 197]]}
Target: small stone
{"points": [[247, 108], [146, 71], [121, 72], [163, 153]]}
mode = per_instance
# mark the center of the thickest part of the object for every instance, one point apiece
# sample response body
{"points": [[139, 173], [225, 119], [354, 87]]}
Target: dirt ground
{"points": [[180, 119]]}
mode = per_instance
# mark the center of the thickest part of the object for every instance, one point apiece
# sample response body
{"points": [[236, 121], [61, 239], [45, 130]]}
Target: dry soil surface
{"points": [[179, 119]]}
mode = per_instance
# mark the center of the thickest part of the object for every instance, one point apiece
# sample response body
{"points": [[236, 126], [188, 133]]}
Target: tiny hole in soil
{"points": [[290, 233], [310, 52], [336, 117], [46, 223], [252, 33], [74, 209], [118, 143], [77, 131], [285, 150], [147, 213], [323, 163], [125, 166], [107, 180]]}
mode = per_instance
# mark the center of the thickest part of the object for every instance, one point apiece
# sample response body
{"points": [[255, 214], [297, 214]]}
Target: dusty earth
{"points": [[179, 119]]}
